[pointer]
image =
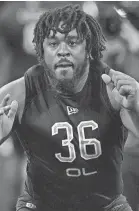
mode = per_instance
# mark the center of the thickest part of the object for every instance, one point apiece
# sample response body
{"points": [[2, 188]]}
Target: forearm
{"points": [[130, 120], [132, 143], [134, 125]]}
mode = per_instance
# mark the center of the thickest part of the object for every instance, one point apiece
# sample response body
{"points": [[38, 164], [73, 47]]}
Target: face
{"points": [[65, 57]]}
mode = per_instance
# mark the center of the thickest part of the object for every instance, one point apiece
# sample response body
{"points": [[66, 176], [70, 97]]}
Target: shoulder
{"points": [[100, 66], [35, 70]]}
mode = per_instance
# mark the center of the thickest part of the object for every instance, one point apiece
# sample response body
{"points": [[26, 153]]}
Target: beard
{"points": [[66, 86]]}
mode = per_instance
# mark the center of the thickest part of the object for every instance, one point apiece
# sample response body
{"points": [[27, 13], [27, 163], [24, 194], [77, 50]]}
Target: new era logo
{"points": [[72, 110]]}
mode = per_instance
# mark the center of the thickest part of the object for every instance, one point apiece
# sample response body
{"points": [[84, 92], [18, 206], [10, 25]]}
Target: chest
{"points": [[55, 119]]}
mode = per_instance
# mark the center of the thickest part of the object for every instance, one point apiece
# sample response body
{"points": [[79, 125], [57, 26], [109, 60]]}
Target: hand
{"points": [[7, 116], [124, 88]]}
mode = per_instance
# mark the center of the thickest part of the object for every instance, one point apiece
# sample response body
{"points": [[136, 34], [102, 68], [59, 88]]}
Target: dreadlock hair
{"points": [[72, 17]]}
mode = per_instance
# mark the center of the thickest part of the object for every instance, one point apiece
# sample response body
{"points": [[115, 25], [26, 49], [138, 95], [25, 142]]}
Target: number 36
{"points": [[83, 142]]}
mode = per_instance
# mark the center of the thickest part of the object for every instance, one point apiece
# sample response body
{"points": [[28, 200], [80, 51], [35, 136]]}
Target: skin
{"points": [[66, 50], [123, 90]]}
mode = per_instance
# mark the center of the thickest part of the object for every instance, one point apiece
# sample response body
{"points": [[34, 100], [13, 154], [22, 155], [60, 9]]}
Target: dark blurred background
{"points": [[120, 24]]}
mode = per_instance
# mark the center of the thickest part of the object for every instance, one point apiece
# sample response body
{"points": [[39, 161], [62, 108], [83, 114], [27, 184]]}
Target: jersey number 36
{"points": [[83, 142]]}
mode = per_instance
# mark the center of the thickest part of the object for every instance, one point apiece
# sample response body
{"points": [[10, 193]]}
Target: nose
{"points": [[63, 50]]}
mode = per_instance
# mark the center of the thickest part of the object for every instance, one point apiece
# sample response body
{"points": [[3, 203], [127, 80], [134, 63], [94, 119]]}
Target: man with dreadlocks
{"points": [[68, 112]]}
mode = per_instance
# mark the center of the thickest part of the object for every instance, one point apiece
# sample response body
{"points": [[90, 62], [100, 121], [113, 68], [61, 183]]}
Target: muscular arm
{"points": [[16, 89], [129, 118]]}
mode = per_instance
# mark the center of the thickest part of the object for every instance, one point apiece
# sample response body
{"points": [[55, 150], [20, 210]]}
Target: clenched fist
{"points": [[124, 89]]}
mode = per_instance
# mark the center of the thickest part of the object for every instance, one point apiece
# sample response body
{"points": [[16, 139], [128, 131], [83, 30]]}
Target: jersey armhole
{"points": [[27, 95], [34, 83]]}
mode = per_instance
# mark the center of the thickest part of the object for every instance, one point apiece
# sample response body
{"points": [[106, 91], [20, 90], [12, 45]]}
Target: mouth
{"points": [[63, 65]]}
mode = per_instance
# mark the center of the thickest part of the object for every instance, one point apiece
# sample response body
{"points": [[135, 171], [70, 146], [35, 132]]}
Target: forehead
{"points": [[58, 35]]}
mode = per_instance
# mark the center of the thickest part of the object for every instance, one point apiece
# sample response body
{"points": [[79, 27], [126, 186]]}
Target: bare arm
{"points": [[123, 93], [130, 119], [12, 106]]}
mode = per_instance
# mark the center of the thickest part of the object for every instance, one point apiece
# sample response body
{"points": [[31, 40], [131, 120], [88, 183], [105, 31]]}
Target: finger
{"points": [[116, 76], [4, 109], [126, 90], [107, 80], [4, 101], [7, 107], [123, 77], [122, 83], [117, 96], [13, 110], [114, 73]]}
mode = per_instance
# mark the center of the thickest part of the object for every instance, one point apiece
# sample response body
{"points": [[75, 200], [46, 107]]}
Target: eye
{"points": [[53, 43], [72, 43]]}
